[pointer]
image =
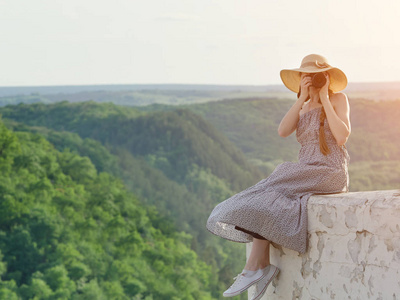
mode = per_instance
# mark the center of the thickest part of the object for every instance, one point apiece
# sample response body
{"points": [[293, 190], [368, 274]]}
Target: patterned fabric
{"points": [[276, 207]]}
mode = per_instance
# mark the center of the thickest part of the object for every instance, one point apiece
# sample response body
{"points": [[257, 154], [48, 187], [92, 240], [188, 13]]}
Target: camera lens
{"points": [[318, 80]]}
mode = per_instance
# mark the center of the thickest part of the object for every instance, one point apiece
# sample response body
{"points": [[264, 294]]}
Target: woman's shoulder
{"points": [[339, 98]]}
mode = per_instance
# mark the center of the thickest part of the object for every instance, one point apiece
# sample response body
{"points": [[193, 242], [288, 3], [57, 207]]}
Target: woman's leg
{"points": [[258, 259], [259, 255]]}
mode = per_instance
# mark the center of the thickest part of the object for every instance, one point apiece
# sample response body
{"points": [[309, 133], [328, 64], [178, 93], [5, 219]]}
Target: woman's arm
{"points": [[290, 120], [338, 117]]}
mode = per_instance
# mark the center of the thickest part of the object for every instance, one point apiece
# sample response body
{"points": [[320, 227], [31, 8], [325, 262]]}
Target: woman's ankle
{"points": [[256, 266]]}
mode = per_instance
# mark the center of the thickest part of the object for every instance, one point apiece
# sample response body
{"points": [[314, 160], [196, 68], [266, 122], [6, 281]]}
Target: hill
{"points": [[185, 159], [178, 94], [173, 160], [68, 231], [252, 124]]}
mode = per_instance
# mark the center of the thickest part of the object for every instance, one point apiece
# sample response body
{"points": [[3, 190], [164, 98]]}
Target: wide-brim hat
{"points": [[314, 63]]}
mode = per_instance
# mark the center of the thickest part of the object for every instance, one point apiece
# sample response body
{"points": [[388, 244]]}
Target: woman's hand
{"points": [[305, 83], [324, 91]]}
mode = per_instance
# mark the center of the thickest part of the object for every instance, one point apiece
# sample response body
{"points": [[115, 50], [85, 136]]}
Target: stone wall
{"points": [[353, 251]]}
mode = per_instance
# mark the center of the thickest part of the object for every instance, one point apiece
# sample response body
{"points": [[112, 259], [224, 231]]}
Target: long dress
{"points": [[276, 207]]}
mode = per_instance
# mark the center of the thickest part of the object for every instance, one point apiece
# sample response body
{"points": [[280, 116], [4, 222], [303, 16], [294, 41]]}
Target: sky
{"points": [[79, 42]]}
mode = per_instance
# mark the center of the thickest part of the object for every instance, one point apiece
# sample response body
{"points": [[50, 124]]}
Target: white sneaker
{"points": [[243, 282], [261, 286]]}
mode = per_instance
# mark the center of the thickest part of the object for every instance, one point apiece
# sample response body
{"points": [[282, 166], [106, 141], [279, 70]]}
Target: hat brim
{"points": [[291, 78]]}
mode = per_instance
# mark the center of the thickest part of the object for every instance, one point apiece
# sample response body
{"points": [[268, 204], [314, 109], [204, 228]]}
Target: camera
{"points": [[318, 80]]}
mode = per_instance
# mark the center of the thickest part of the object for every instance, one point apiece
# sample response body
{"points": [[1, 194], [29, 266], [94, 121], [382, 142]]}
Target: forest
{"points": [[103, 201], [69, 231]]}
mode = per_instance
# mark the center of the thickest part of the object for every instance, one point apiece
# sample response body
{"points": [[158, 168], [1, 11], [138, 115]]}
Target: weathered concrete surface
{"points": [[353, 251]]}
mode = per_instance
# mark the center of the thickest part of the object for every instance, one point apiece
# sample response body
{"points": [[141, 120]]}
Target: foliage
{"points": [[131, 95], [68, 231], [375, 175], [187, 200], [251, 124], [172, 141], [174, 159]]}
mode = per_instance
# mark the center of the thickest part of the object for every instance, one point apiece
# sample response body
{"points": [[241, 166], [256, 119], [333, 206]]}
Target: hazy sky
{"points": [[53, 42]]}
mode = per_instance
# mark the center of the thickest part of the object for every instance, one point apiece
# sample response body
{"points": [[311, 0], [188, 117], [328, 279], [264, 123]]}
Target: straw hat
{"points": [[314, 63]]}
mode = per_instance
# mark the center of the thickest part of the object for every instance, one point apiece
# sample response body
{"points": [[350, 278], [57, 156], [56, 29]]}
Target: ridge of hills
{"points": [[173, 160], [252, 124], [185, 159], [68, 231], [180, 137], [178, 94]]}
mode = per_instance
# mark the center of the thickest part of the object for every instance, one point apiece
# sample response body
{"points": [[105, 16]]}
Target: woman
{"points": [[275, 209]]}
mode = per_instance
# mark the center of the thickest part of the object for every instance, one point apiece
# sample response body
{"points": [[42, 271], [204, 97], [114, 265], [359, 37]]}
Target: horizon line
{"points": [[171, 84]]}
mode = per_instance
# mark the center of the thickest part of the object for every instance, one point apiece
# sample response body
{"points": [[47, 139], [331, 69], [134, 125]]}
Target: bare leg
{"points": [[259, 255]]}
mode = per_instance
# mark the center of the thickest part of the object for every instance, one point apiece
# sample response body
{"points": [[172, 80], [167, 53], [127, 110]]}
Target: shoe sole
{"points": [[244, 288], [258, 297]]}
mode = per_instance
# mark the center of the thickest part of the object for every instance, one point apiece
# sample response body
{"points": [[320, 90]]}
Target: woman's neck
{"points": [[314, 99]]}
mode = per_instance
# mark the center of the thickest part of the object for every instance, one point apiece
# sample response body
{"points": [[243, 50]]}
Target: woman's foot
{"points": [[245, 280], [261, 286]]}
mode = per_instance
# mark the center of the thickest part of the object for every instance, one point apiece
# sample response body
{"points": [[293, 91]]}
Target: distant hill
{"points": [[252, 124], [184, 159], [70, 89], [180, 136], [173, 159], [176, 94]]}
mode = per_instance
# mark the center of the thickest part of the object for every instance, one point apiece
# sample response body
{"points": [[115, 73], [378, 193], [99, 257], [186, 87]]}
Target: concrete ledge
{"points": [[353, 250]]}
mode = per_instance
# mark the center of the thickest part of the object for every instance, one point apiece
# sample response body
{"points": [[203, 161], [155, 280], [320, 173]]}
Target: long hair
{"points": [[323, 146]]}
